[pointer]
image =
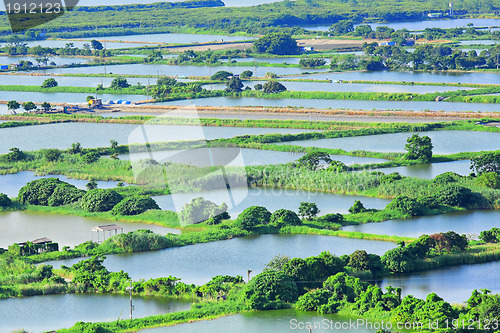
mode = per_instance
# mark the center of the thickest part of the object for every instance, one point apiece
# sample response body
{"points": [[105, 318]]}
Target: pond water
{"points": [[454, 284], [5, 60], [99, 135], [37, 80], [339, 104], [409, 76], [66, 230], [199, 263], [166, 38], [178, 70], [271, 198], [430, 171], [470, 223], [51, 312], [444, 142], [421, 25], [10, 184], [348, 87], [479, 42], [277, 321], [198, 157]]}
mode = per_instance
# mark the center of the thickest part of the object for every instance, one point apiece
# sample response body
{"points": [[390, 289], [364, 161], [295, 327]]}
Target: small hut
{"points": [[110, 228]]}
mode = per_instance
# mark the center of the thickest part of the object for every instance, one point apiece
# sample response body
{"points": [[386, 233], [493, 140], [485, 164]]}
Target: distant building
{"points": [[306, 48], [387, 44], [435, 15]]}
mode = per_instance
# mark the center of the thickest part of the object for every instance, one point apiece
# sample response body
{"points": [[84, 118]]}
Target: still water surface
{"points": [[50, 312], [430, 171], [470, 223], [444, 142], [63, 229], [99, 135]]}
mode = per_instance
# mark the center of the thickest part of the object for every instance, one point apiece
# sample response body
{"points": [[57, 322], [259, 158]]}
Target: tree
{"points": [[258, 87], [276, 43], [357, 207], [252, 217], [399, 260], [246, 74], [28, 106], [488, 162], [342, 27], [65, 194], [49, 83], [76, 148], [4, 200], [234, 85], [46, 106], [13, 105], [312, 62], [134, 206], [96, 45], [91, 185], [38, 192], [284, 217], [489, 179], [455, 196], [405, 205], [271, 290], [200, 210], [419, 148], [273, 87], [100, 200], [308, 210], [221, 76], [114, 144], [89, 98], [313, 159], [119, 83]]}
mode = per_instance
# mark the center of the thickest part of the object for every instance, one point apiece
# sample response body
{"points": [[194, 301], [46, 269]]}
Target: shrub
{"points": [[91, 157], [4, 200], [65, 194], [221, 76], [200, 210], [489, 179], [283, 217], [331, 218], [38, 192], [273, 87], [313, 300], [446, 178], [357, 207], [140, 240], [405, 205], [454, 196], [390, 178], [490, 236], [15, 155], [51, 154], [271, 290], [134, 205], [399, 260], [252, 217], [419, 148], [100, 200]]}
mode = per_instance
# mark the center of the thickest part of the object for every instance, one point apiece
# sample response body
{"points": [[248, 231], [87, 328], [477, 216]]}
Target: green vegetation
{"points": [[276, 43]]}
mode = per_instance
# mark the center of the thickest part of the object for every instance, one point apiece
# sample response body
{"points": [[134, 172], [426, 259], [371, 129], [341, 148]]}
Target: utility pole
{"points": [[130, 290], [248, 275]]}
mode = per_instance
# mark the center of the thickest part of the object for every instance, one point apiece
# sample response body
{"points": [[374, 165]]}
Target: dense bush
{"points": [[446, 178], [91, 157], [141, 240], [455, 196], [14, 155], [38, 192], [399, 260], [488, 162], [419, 148], [65, 194], [490, 236], [489, 179], [283, 217], [200, 210], [134, 205], [100, 200], [271, 290], [4, 200], [357, 207], [276, 43], [252, 217], [405, 205], [52, 154], [308, 210]]}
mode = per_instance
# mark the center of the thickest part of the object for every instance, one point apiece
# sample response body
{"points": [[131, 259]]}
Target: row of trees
{"points": [[27, 106]]}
